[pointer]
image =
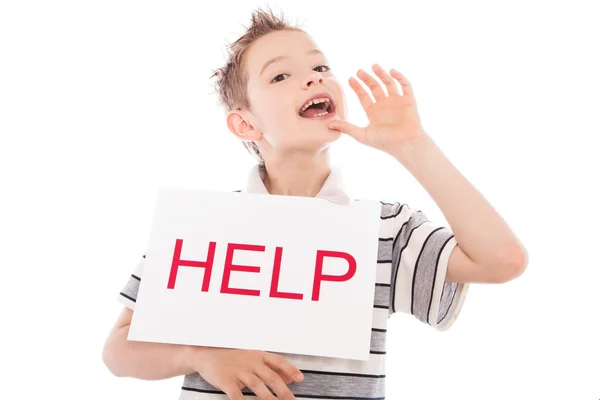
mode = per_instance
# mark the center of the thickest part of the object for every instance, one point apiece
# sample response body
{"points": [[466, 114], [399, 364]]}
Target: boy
{"points": [[286, 106]]}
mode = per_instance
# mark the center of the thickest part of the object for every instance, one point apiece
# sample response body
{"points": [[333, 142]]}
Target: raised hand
{"points": [[393, 116]]}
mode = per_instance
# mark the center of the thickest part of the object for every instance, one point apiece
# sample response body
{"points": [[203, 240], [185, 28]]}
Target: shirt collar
{"points": [[332, 188]]}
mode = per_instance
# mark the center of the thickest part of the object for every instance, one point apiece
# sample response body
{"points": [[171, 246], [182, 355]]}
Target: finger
{"points": [[406, 86], [257, 386], [390, 84], [372, 84], [364, 97], [350, 129], [233, 393], [274, 381], [282, 366]]}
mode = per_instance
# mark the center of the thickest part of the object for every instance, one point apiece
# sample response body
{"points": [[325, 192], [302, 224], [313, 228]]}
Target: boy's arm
{"points": [[227, 370], [488, 250], [145, 360]]}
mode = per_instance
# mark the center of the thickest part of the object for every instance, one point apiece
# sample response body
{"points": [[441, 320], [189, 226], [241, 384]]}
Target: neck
{"points": [[296, 176]]}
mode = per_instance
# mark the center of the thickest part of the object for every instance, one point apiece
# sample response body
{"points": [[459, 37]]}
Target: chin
{"points": [[315, 140], [334, 133], [324, 137]]}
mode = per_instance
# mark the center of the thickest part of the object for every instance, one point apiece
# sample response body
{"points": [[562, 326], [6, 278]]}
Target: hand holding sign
{"points": [[230, 370]]}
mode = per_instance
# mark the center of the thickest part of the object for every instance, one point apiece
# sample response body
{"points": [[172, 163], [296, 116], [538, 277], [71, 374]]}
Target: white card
{"points": [[287, 274]]}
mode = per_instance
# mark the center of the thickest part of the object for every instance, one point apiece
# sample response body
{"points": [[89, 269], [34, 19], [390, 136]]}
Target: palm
{"points": [[388, 116]]}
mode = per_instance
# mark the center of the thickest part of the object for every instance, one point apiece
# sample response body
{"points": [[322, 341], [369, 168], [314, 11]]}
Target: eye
{"points": [[275, 80], [324, 68]]}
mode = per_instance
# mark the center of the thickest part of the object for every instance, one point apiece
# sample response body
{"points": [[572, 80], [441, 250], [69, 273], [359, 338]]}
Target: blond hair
{"points": [[232, 78]]}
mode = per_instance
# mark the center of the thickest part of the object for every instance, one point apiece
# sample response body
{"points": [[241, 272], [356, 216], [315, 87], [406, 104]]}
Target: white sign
{"points": [[258, 271]]}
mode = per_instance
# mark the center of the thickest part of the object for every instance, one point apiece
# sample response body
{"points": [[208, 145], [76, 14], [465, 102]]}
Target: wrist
{"points": [[191, 357], [414, 149]]}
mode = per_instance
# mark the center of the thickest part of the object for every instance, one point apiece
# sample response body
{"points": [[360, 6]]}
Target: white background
{"points": [[103, 102]]}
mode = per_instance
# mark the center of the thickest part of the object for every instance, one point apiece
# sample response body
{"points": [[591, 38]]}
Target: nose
{"points": [[312, 78]]}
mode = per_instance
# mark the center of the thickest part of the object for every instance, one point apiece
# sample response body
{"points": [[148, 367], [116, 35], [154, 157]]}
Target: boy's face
{"points": [[278, 90]]}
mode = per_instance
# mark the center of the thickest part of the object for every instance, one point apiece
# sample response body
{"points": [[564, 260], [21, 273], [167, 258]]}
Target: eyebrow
{"points": [[274, 60]]}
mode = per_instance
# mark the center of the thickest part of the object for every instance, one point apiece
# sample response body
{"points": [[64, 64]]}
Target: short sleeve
{"points": [[420, 254], [128, 294]]}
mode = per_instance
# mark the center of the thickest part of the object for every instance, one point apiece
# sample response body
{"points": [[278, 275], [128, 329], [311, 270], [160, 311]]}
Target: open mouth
{"points": [[320, 106]]}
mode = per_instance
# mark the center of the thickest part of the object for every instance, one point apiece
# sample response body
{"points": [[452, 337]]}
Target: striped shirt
{"points": [[412, 259]]}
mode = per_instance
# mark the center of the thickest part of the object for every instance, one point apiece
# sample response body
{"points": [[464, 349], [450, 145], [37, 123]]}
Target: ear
{"points": [[237, 122]]}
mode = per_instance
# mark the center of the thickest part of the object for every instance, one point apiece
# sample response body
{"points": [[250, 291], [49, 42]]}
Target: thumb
{"points": [[346, 127]]}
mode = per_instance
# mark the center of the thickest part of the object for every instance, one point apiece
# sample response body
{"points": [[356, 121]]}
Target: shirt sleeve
{"points": [[128, 294], [420, 254]]}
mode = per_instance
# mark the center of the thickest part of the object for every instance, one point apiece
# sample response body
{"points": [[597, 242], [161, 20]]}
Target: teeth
{"points": [[315, 101]]}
